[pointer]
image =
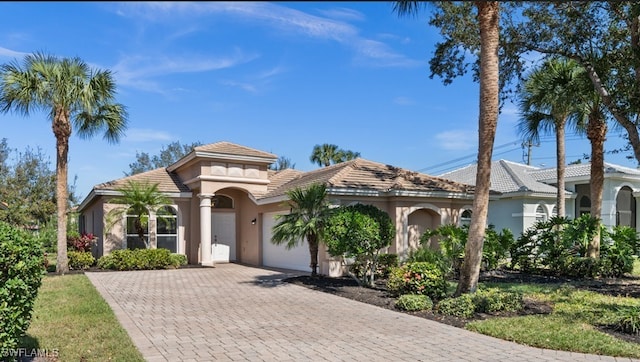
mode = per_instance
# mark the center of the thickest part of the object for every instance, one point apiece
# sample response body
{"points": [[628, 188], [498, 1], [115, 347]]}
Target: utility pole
{"points": [[529, 144]]}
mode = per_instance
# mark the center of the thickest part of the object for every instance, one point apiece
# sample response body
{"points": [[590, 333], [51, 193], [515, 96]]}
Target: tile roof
{"points": [[582, 170], [371, 176], [506, 176], [233, 149], [167, 181]]}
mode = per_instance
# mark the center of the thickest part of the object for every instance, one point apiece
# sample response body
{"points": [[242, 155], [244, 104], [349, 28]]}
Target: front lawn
{"points": [[71, 320]]}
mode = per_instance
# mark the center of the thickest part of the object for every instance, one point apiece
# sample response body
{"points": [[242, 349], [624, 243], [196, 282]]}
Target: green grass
{"points": [[572, 326], [71, 317]]}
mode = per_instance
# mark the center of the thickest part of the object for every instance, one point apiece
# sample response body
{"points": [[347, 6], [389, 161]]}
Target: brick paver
{"points": [[239, 313]]}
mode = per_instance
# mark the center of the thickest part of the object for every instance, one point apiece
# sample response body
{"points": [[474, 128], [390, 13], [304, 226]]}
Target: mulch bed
{"points": [[346, 287]]}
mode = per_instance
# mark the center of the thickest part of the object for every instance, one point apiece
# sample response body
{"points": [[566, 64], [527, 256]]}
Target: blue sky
{"points": [[279, 77]]}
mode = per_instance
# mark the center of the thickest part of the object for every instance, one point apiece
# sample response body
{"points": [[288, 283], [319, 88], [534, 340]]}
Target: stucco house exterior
{"points": [[225, 199], [528, 194]]}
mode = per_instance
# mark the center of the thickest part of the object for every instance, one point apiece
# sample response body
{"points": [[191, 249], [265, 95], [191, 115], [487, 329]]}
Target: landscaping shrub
{"points": [[178, 260], [428, 255], [462, 306], [414, 302], [418, 278], [80, 242], [138, 259], [495, 300], [628, 320], [80, 260], [21, 271], [359, 268]]}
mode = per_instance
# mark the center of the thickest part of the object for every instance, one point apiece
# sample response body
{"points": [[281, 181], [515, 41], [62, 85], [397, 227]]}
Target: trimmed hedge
{"points": [[80, 260], [21, 271], [418, 278], [414, 302], [141, 259]]}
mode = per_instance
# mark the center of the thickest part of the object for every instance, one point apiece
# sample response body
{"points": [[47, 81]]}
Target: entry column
{"points": [[205, 229]]}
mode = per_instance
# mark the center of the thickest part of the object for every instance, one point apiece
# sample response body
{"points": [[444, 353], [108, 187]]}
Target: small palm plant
{"points": [[138, 199]]}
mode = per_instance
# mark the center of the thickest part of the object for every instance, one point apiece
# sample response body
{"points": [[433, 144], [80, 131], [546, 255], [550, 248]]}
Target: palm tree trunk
{"points": [[488, 16], [313, 252], [62, 131], [596, 132], [560, 157]]}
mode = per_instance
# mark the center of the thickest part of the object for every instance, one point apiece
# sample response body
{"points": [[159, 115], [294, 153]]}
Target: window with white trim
{"points": [[540, 214], [133, 226], [465, 218], [167, 229]]}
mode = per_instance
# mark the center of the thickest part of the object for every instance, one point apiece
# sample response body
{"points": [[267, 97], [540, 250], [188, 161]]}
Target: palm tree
{"points": [[346, 155], [547, 101], [75, 97], [324, 154], [138, 199], [309, 213], [488, 25], [282, 163]]}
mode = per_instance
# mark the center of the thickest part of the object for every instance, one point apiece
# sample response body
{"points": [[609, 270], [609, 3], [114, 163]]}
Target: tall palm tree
{"points": [[309, 213], [76, 97], [488, 25], [137, 199], [346, 155], [324, 154], [547, 102]]}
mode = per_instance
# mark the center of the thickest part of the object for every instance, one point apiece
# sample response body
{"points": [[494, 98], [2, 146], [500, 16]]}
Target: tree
{"points": [[75, 96], [309, 213], [327, 154], [602, 37], [29, 189], [359, 231], [168, 156], [138, 199], [448, 63], [282, 163], [547, 102]]}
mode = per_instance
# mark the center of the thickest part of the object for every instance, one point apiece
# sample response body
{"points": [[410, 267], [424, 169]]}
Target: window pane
{"points": [[134, 242], [167, 242], [167, 225]]}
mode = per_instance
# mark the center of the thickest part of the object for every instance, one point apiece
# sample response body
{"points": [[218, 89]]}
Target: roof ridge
{"points": [[345, 167], [513, 174]]}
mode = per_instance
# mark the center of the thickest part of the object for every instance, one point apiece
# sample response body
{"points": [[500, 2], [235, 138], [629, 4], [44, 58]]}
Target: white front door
{"points": [[223, 236]]}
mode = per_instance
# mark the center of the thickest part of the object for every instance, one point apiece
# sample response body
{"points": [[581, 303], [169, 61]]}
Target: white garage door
{"points": [[277, 256]]}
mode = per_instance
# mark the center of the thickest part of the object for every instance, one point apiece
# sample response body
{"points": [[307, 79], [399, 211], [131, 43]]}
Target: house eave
{"points": [[246, 180], [220, 156], [106, 192]]}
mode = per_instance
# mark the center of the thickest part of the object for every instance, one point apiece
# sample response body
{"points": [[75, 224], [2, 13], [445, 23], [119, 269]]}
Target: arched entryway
{"points": [[223, 228], [626, 207], [417, 223]]}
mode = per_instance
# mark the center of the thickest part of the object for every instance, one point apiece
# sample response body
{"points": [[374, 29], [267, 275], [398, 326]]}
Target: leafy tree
{"points": [[359, 230], [547, 103], [470, 28], [282, 163], [309, 213], [74, 95], [327, 154], [168, 155], [29, 189], [137, 199]]}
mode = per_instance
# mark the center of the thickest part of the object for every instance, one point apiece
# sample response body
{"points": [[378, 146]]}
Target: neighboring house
{"points": [[225, 199], [528, 194]]}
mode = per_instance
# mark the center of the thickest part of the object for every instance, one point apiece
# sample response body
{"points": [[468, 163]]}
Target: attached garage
{"points": [[277, 256]]}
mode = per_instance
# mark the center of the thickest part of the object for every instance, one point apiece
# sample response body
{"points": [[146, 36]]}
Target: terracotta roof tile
{"points": [[234, 149], [372, 176], [167, 182]]}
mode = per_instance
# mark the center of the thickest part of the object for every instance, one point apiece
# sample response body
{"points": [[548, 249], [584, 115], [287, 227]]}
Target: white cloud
{"points": [[251, 88], [4, 52], [403, 101], [147, 135], [287, 20], [343, 13], [458, 140]]}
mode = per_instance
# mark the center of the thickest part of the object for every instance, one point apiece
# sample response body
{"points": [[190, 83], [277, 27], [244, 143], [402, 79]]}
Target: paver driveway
{"points": [[234, 312]]}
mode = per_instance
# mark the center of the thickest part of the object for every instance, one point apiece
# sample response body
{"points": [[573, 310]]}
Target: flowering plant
{"points": [[82, 242]]}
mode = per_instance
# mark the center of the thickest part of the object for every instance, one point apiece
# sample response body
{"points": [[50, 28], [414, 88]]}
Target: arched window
{"points": [[222, 202], [540, 214], [554, 212], [167, 229], [134, 226], [626, 208], [584, 207], [465, 218]]}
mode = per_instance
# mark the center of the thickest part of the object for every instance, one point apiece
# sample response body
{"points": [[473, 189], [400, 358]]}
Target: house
{"points": [[528, 194], [225, 200]]}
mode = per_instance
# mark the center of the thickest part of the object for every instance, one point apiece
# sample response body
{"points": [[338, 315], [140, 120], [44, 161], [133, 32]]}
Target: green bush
{"points": [[428, 255], [628, 320], [495, 300], [138, 259], [79, 260], [414, 302], [21, 271], [418, 278], [178, 260], [360, 266], [462, 306]]}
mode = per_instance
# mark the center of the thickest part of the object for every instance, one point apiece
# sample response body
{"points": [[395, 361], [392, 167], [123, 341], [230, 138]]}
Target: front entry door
{"points": [[223, 233]]}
